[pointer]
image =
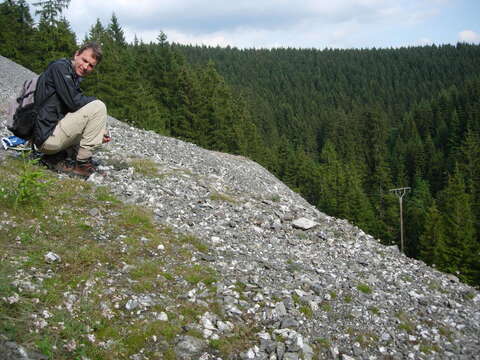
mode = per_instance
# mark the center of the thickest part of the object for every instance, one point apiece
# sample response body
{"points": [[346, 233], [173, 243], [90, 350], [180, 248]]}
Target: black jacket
{"points": [[61, 87]]}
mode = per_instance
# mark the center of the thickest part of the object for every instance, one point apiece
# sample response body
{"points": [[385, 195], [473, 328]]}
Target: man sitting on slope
{"points": [[69, 122]]}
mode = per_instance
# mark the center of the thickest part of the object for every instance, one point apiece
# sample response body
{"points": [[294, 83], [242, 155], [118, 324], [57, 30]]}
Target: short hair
{"points": [[96, 50]]}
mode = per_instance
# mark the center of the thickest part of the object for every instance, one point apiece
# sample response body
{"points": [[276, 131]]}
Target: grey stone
{"points": [[280, 309], [267, 345], [304, 223], [280, 350], [10, 350], [289, 322], [189, 347], [291, 356]]}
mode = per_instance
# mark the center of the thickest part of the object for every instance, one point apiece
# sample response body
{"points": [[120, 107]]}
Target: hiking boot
{"points": [[52, 161], [81, 168], [84, 168]]}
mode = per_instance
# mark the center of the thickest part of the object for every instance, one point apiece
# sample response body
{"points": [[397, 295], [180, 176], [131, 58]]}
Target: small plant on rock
{"points": [[32, 185]]}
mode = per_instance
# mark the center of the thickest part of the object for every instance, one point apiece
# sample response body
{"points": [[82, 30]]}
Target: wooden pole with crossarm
{"points": [[401, 192]]}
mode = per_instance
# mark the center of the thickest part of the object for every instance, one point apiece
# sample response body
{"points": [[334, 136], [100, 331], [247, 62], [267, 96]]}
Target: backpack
{"points": [[22, 111]]}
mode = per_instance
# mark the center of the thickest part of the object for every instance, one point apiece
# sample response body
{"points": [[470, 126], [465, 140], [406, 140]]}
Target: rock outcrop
{"points": [[312, 285]]}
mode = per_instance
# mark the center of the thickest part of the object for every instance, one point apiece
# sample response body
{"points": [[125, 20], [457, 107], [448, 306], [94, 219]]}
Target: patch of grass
{"points": [[323, 343], [295, 298], [469, 295], [195, 242], [374, 310], [242, 338], [326, 307], [275, 198], [240, 286], [146, 167], [199, 273], [216, 196], [293, 266], [407, 327], [428, 348], [191, 312], [405, 323], [103, 194], [348, 299], [307, 311], [136, 218], [364, 288], [367, 339], [140, 336]]}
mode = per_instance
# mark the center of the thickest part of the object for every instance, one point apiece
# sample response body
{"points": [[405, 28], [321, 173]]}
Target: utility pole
{"points": [[401, 192]]}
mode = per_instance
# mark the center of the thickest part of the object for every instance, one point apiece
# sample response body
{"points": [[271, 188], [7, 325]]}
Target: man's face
{"points": [[84, 63]]}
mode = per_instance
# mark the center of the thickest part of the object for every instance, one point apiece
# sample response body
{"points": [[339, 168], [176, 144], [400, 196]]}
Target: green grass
{"points": [[405, 322], [326, 307], [364, 288], [145, 167], [374, 310], [93, 249], [307, 311], [230, 347], [195, 242]]}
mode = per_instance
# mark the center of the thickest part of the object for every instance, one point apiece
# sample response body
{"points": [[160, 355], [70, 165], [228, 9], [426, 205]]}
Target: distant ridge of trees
{"points": [[342, 127]]}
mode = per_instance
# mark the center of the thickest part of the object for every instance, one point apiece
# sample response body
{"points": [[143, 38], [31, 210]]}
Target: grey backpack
{"points": [[22, 111]]}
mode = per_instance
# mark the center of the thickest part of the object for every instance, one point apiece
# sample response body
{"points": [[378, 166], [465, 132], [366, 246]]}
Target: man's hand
{"points": [[106, 138]]}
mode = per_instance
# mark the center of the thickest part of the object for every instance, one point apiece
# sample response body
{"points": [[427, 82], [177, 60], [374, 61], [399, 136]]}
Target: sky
{"points": [[287, 23]]}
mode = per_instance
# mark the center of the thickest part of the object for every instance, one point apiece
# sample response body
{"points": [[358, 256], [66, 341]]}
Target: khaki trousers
{"points": [[83, 128]]}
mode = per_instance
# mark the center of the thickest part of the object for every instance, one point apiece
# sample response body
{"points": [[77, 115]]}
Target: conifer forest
{"points": [[340, 126]]}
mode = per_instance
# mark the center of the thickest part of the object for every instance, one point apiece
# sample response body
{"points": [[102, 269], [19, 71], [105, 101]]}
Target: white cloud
{"points": [[469, 36], [255, 23]]}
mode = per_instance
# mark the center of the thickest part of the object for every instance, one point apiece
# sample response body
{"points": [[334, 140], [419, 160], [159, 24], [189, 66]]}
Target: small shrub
{"points": [[31, 188]]}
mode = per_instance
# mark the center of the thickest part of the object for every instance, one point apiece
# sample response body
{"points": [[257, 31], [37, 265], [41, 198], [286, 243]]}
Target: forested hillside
{"points": [[342, 127], [349, 125]]}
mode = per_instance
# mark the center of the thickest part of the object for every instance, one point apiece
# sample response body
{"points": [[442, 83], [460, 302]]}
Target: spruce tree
{"points": [[460, 254], [432, 242]]}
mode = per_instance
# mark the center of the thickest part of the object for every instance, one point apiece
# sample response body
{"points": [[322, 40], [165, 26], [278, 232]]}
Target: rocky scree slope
{"points": [[310, 285]]}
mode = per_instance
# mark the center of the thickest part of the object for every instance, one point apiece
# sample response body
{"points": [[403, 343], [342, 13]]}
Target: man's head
{"points": [[86, 58]]}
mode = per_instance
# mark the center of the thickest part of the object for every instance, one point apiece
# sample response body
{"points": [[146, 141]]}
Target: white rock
{"points": [[12, 299], [131, 304], [162, 316], [216, 240], [51, 257], [304, 223]]}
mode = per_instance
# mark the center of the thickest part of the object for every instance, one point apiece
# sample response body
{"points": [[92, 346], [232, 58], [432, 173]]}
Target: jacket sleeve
{"points": [[67, 90]]}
